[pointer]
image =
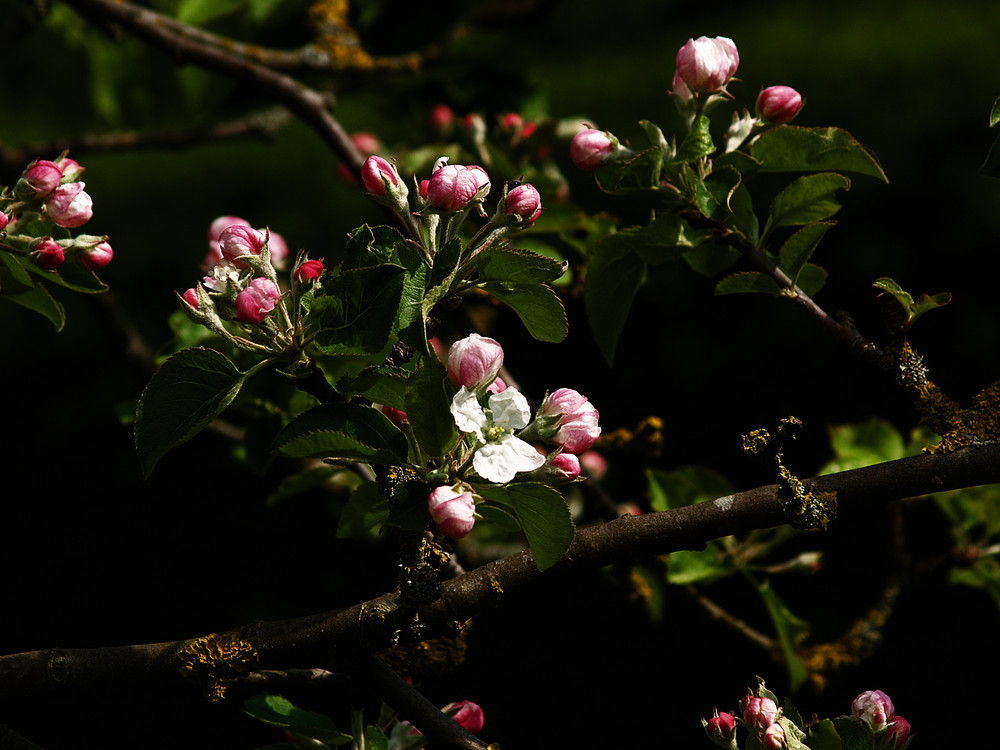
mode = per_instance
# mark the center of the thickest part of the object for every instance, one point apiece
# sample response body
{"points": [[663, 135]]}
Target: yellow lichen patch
{"points": [[433, 656], [960, 428], [215, 659], [495, 585]]}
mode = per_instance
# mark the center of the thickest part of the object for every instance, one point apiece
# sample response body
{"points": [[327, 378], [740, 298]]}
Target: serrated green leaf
{"points": [[712, 194], [711, 258], [537, 305], [517, 266], [911, 309], [375, 738], [614, 275], [428, 408], [357, 309], [188, 391], [641, 172], [696, 144], [17, 286], [344, 431], [379, 383], [863, 444], [791, 148], [366, 510], [543, 516], [278, 711], [748, 282], [810, 198], [798, 248], [823, 735]]}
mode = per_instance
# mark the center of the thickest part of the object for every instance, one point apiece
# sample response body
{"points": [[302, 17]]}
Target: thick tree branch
{"points": [[379, 623]]}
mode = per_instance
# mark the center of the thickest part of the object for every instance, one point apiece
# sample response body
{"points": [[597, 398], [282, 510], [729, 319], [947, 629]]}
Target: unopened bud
{"points": [[778, 104], [874, 708], [257, 301], [69, 206], [97, 257], [475, 361], [48, 254], [453, 511], [38, 181], [707, 64]]}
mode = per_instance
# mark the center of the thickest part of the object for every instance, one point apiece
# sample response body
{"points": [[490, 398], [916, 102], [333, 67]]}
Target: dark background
{"points": [[95, 556]]}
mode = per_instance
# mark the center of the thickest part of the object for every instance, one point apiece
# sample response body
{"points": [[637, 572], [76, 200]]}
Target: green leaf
{"points": [[991, 167], [641, 172], [379, 383], [428, 408], [543, 516], [696, 144], [854, 735], [614, 274], [538, 307], [712, 194], [808, 199], [375, 738], [912, 310], [515, 266], [791, 631], [811, 279], [702, 566], [791, 148], [344, 431], [823, 736], [357, 310], [711, 258], [748, 282], [685, 486], [278, 711], [366, 510], [995, 113], [190, 389], [864, 444], [798, 248], [17, 286]]}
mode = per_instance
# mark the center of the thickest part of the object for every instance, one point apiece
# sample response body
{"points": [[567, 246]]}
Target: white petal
{"points": [[510, 410], [469, 415], [499, 462]]}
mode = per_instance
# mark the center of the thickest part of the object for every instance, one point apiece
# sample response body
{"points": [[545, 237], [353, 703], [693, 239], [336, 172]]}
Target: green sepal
{"points": [[543, 516], [791, 148], [344, 431]]}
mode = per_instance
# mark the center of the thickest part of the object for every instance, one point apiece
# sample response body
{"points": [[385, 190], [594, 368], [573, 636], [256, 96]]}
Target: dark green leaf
{"points": [[796, 149], [995, 113], [357, 310], [711, 258], [811, 279], [712, 194], [344, 431], [200, 12], [190, 389], [17, 286], [543, 516], [375, 739], [808, 199], [538, 307], [791, 631], [823, 736], [912, 310], [685, 486], [372, 246], [278, 711], [991, 167], [798, 248], [364, 513], [379, 383], [428, 408], [696, 144], [614, 275], [748, 282], [515, 266], [641, 172]]}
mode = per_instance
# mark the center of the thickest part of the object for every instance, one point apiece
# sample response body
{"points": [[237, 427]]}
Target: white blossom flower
{"points": [[501, 455]]}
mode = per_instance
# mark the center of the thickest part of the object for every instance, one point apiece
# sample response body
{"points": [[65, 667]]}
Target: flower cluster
{"points": [[761, 716], [241, 285], [52, 192], [497, 425]]}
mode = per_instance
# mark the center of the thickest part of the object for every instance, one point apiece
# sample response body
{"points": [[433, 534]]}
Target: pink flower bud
{"points": [[475, 361], [707, 64], [374, 173], [309, 270], [257, 301], [497, 386], [423, 187], [453, 186], [452, 511], [71, 170], [238, 241], [720, 728], [590, 148], [191, 297], [594, 464], [224, 222], [774, 737], [874, 708], [759, 713], [367, 143], [97, 257], [396, 416], [39, 180], [511, 121], [899, 730], [4, 218], [48, 254], [567, 465], [69, 206], [466, 713], [524, 201], [442, 117], [778, 104], [577, 426]]}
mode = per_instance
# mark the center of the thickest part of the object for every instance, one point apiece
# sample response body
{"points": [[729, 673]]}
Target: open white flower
{"points": [[501, 455]]}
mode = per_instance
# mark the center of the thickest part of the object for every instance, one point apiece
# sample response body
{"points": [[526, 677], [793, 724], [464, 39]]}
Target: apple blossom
{"points": [[69, 206], [97, 257], [575, 420], [48, 254], [4, 218], [277, 248], [376, 174], [524, 201], [874, 708], [452, 510], [774, 737], [308, 270], [567, 465], [707, 64], [501, 455], [70, 168], [475, 361], [721, 728], [191, 297], [467, 714], [39, 180], [759, 713], [452, 187], [442, 118], [238, 241], [590, 148], [778, 104], [257, 301], [899, 730]]}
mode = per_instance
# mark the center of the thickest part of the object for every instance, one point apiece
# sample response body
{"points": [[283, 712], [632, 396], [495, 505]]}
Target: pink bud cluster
{"points": [[875, 708], [232, 237], [56, 185]]}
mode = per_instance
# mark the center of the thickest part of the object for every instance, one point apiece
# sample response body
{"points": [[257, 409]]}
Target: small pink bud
{"points": [[578, 427], [720, 728], [874, 708], [707, 64], [759, 713], [70, 168], [374, 173], [590, 148], [442, 117], [396, 416], [4, 218], [568, 466], [191, 297], [778, 104], [97, 257], [899, 730], [466, 713], [497, 386], [309, 270], [39, 180], [224, 222], [774, 737], [423, 186], [367, 143], [524, 201], [48, 254], [475, 361], [257, 301], [595, 464], [238, 241], [453, 186], [69, 206], [452, 511], [511, 121]]}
